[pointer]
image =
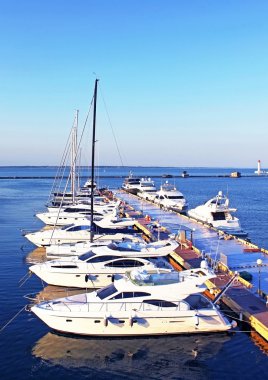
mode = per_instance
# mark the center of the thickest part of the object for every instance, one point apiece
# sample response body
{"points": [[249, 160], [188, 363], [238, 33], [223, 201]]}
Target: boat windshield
{"points": [[86, 256], [218, 215], [74, 228], [67, 226], [106, 292], [197, 301], [175, 197]]}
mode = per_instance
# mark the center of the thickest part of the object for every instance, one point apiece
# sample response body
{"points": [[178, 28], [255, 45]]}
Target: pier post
{"points": [[259, 263]]}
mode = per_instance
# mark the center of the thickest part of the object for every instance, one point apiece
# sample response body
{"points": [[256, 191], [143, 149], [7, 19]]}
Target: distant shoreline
{"points": [[151, 176]]}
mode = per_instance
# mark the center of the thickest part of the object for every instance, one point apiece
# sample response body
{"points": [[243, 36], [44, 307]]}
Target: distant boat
{"points": [[217, 213], [168, 197], [131, 184], [235, 175], [184, 174]]}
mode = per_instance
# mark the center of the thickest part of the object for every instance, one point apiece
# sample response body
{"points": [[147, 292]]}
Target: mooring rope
{"points": [[12, 319], [27, 278]]}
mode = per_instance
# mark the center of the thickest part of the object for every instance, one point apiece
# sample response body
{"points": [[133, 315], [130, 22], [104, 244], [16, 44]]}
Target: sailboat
{"points": [[60, 197]]}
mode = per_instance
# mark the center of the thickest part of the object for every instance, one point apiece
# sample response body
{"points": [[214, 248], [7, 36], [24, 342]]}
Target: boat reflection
{"points": [[51, 292], [259, 341], [154, 356]]}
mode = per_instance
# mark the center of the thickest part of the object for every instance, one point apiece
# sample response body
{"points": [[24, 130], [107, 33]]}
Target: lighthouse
{"points": [[259, 171], [259, 167]]}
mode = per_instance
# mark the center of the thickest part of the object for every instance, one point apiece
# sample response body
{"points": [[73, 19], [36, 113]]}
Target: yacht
{"points": [[126, 246], [99, 203], [91, 270], [153, 302], [80, 232], [64, 217], [148, 195], [169, 198], [146, 189], [66, 234], [77, 249], [146, 184], [131, 184], [158, 248], [217, 213]]}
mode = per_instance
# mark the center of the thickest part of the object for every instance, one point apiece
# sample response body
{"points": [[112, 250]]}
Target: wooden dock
{"points": [[249, 307]]}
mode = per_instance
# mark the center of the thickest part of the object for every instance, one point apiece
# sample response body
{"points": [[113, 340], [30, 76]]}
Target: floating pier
{"points": [[249, 307]]}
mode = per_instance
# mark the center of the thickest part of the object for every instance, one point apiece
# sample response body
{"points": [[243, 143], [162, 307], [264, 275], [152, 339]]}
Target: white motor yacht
{"points": [[147, 189], [217, 213], [100, 203], [168, 197], [146, 184], [148, 195], [155, 302], [90, 270], [77, 249], [158, 248], [131, 184], [127, 246], [76, 232], [73, 215]]}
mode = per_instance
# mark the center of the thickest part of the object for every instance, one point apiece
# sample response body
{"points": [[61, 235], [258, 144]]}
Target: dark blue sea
{"points": [[30, 350]]}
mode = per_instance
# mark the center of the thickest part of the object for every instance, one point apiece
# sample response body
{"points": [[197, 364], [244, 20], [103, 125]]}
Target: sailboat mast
{"points": [[73, 158], [93, 159]]}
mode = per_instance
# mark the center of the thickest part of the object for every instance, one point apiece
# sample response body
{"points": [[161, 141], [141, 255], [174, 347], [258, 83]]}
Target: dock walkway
{"points": [[241, 297]]}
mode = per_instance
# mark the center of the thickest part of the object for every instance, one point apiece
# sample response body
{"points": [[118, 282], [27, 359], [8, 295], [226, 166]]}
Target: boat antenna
{"points": [[93, 160]]}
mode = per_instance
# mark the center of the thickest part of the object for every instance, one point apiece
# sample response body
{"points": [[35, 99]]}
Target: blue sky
{"points": [[185, 82]]}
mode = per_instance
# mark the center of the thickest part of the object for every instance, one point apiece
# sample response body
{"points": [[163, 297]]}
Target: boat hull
{"points": [[78, 279], [128, 324]]}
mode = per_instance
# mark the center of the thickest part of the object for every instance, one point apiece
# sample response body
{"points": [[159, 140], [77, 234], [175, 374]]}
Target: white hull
{"points": [[229, 226], [79, 274], [62, 219], [128, 323], [79, 279], [147, 195], [44, 238], [76, 249]]}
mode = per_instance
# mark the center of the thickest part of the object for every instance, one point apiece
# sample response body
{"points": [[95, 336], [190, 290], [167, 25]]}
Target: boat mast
{"points": [[73, 158], [93, 159]]}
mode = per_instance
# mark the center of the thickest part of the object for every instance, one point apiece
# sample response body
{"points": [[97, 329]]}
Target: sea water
{"points": [[31, 350]]}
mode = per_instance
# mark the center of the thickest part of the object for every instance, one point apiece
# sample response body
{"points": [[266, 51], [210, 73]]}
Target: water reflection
{"points": [[51, 292], [183, 356]]}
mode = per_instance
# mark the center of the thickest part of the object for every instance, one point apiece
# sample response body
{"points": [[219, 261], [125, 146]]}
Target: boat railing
{"points": [[110, 307]]}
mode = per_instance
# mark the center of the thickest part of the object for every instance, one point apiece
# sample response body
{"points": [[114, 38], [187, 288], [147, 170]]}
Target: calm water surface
{"points": [[30, 350]]}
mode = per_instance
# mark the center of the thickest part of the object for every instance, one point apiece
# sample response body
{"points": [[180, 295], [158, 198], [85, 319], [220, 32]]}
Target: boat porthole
{"points": [[68, 320]]}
